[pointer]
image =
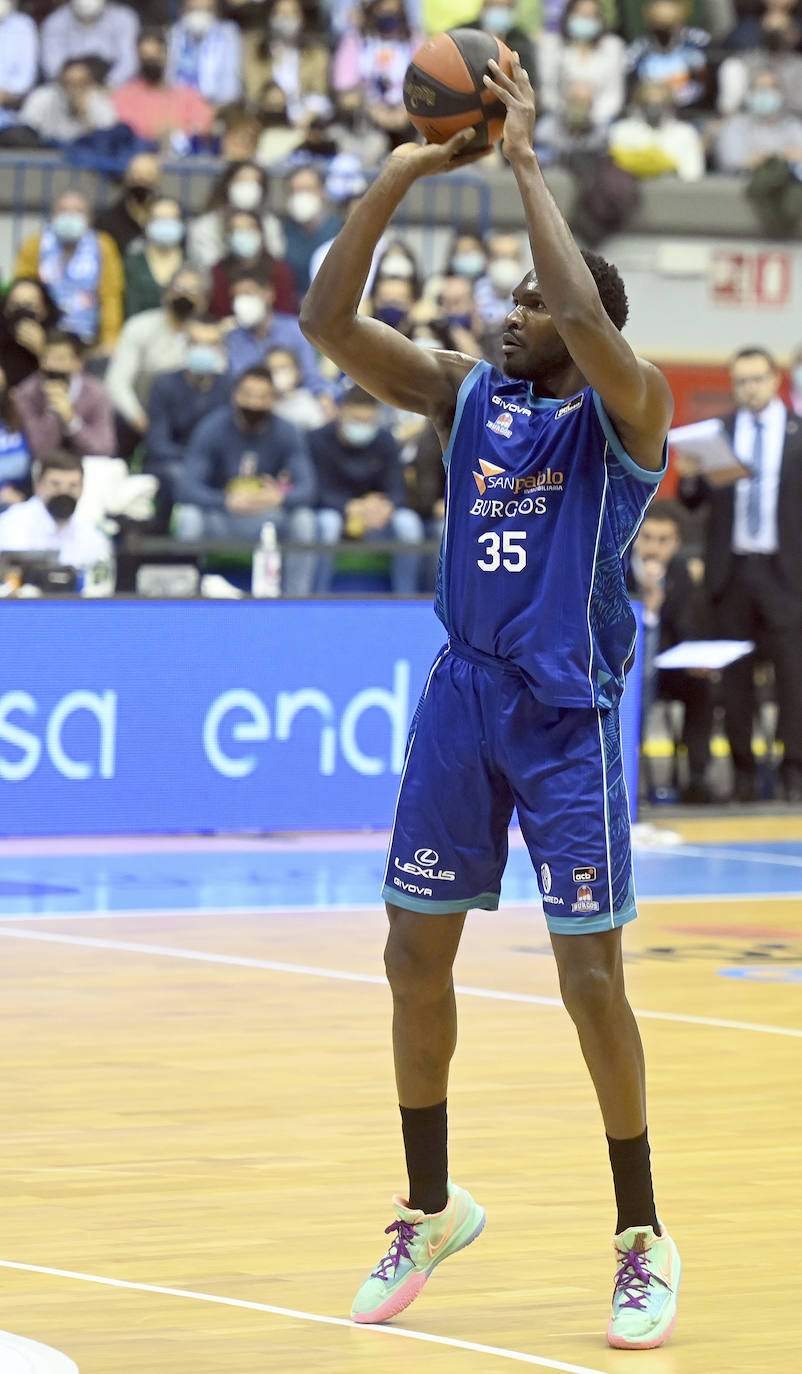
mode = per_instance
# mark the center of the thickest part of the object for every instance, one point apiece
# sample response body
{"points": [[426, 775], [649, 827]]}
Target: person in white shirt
{"points": [[753, 562], [19, 59], [650, 140], [48, 521], [205, 52], [92, 28]]}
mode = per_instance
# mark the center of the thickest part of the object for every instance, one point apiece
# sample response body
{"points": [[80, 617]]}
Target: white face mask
{"points": [[396, 265], [245, 195], [88, 9], [304, 206], [249, 310], [197, 22], [284, 379], [504, 273]]}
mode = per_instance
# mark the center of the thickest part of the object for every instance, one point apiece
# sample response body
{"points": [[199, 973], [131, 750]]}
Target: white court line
{"points": [[316, 909], [496, 1350], [766, 856], [346, 976]]}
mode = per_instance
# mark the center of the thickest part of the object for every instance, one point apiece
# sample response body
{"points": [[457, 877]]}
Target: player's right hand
{"points": [[427, 159]]}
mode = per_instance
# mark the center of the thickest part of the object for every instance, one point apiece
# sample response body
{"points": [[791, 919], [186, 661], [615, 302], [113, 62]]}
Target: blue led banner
{"points": [[124, 717]]}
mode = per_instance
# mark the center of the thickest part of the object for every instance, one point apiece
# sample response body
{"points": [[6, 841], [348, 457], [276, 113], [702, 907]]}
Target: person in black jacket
{"points": [[753, 562], [28, 312], [361, 488], [659, 578]]}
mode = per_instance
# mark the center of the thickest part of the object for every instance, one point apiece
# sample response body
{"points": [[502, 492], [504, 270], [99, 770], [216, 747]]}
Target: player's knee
{"points": [[590, 991], [414, 970]]}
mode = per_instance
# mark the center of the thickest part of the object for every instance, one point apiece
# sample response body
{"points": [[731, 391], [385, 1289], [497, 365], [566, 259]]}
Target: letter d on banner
{"points": [[396, 704]]}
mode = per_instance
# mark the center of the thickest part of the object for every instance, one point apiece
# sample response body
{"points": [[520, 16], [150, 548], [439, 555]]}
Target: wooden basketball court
{"points": [[201, 1140]]}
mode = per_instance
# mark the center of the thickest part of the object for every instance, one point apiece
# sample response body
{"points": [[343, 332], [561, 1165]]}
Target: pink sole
{"points": [[618, 1344], [405, 1296]]}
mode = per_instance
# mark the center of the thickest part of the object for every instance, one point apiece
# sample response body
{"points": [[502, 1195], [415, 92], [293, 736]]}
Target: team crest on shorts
{"points": [[584, 899]]}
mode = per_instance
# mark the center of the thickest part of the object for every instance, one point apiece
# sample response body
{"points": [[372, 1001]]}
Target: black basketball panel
{"points": [[477, 47], [425, 95]]}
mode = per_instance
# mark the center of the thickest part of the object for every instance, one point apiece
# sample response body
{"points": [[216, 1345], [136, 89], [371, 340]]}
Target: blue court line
{"points": [[223, 880]]}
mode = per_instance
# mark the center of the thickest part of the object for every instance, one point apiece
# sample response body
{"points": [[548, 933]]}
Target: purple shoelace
{"points": [[398, 1249], [633, 1279]]}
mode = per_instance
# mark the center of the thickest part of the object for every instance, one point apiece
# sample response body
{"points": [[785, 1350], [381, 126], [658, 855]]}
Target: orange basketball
{"points": [[444, 91]]}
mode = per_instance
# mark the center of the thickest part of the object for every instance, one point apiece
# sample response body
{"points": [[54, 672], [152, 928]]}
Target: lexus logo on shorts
{"points": [[427, 858], [545, 877]]}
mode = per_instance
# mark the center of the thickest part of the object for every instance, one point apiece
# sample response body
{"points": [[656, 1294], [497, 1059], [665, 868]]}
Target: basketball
{"points": [[444, 91]]}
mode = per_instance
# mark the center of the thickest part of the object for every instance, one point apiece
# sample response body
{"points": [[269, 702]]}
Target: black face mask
{"points": [[56, 377], [141, 194], [152, 72], [773, 40], [274, 119], [252, 419], [18, 313], [661, 34], [182, 307], [61, 507]]}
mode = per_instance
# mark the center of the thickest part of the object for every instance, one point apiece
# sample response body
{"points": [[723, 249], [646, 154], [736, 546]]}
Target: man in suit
{"points": [[754, 561], [659, 577]]}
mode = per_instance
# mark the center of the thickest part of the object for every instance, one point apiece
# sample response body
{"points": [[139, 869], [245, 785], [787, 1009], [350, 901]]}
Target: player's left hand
{"points": [[516, 93]]}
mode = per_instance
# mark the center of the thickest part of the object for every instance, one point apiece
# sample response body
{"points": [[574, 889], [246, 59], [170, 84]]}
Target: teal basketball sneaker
{"points": [[421, 1242], [645, 1292]]}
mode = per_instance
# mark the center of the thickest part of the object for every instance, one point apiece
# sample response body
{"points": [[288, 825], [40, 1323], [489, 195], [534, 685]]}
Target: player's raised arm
{"points": [[374, 355], [636, 395]]}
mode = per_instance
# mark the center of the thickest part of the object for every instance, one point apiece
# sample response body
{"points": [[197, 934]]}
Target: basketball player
{"points": [[550, 467]]}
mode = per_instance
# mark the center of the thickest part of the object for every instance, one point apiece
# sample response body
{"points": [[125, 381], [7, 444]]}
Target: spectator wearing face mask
{"points": [[246, 468], [373, 57], [764, 128], [28, 312], [583, 51], [499, 17], [294, 401], [150, 344], [466, 255], [309, 222], [15, 457], [361, 491], [61, 407], [81, 268], [178, 402], [458, 309], [346, 183], [391, 300], [354, 132], [278, 137], [569, 134], [70, 107], [155, 109], [260, 328], [92, 28], [125, 218], [776, 48], [246, 252], [673, 55], [286, 51], [19, 59], [152, 261], [240, 186], [756, 19], [650, 140], [505, 269], [48, 522], [205, 53]]}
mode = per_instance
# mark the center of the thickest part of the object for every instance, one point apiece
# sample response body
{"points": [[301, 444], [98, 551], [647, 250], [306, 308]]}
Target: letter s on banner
{"points": [[21, 739], [258, 728]]}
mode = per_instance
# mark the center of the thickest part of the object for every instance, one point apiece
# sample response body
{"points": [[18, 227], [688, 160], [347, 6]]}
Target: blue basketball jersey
{"points": [[541, 503]]}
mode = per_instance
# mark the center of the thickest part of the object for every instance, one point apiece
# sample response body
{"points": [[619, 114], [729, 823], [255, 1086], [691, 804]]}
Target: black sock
{"points": [[632, 1180], [426, 1144]]}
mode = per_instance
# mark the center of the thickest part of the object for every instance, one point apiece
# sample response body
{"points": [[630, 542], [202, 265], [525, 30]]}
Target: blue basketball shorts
{"points": [[481, 745]]}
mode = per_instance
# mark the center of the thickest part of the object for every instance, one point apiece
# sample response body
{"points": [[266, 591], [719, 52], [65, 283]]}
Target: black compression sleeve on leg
{"points": [[426, 1145], [632, 1180]]}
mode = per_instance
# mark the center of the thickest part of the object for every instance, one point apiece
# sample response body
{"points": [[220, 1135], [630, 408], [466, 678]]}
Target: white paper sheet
{"points": [[704, 653], [707, 442]]}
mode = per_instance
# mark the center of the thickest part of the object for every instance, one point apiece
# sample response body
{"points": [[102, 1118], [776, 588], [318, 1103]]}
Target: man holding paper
{"points": [[753, 558]]}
